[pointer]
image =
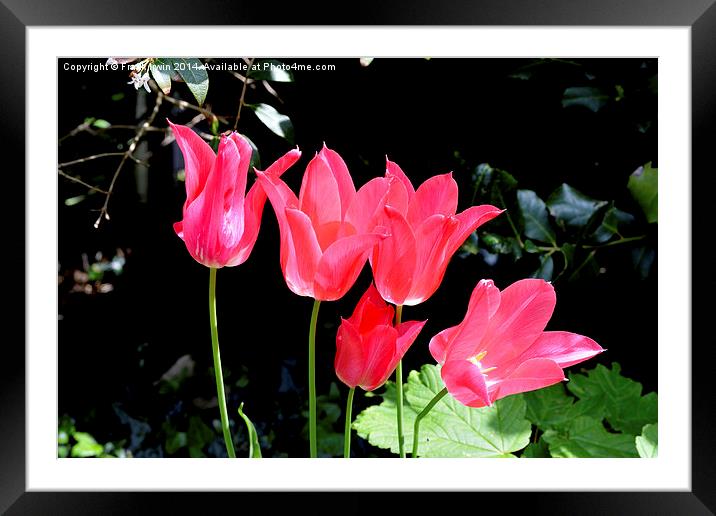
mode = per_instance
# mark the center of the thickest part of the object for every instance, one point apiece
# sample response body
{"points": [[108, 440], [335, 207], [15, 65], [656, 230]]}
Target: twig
{"points": [[243, 94], [102, 155], [128, 153], [185, 105], [79, 181]]}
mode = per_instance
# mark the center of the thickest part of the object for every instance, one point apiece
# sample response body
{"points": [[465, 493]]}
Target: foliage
{"points": [[559, 237], [601, 419], [71, 443]]}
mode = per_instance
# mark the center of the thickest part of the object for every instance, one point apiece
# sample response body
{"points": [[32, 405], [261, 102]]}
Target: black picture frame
{"points": [[700, 15]]}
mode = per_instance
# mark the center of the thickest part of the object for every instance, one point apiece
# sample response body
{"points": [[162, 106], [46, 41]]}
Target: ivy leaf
{"points": [[270, 70], [450, 429], [644, 187], [591, 98], [161, 71], [545, 269], [498, 244], [193, 72], [538, 450], [571, 207], [642, 258], [613, 220], [586, 437], [605, 391], [647, 444], [535, 217], [198, 435], [254, 446], [277, 123]]}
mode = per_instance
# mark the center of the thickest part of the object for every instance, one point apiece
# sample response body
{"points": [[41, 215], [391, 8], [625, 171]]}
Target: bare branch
{"points": [[243, 94], [79, 181]]}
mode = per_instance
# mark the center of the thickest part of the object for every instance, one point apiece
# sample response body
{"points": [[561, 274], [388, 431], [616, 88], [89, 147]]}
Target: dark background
{"points": [[430, 116]]}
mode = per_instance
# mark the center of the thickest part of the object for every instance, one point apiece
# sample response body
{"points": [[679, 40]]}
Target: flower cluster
{"points": [[331, 229]]}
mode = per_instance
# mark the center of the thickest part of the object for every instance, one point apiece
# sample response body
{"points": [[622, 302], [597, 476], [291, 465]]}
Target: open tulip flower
{"points": [[221, 221], [425, 232], [368, 347], [326, 231], [501, 348]]}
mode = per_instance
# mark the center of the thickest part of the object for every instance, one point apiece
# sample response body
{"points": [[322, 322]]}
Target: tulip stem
{"points": [[221, 397], [399, 389], [428, 408], [312, 380], [347, 433]]}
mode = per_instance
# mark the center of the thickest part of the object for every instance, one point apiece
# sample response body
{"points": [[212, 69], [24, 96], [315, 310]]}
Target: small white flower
{"points": [[111, 61], [139, 81]]}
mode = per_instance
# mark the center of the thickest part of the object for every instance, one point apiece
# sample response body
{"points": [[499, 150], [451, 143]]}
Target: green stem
{"points": [[312, 380], [399, 389], [347, 433], [428, 408], [616, 242], [221, 397]]}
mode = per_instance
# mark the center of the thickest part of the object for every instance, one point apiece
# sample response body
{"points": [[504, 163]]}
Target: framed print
{"points": [[374, 182]]}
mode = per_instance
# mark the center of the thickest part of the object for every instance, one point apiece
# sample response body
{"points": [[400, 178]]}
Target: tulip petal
{"points": [[407, 333], [350, 355], [198, 159], [525, 308], [254, 205], [371, 311], [304, 253], [528, 376], [380, 356], [431, 237], [470, 220], [319, 197], [563, 347], [392, 169], [281, 197], [179, 229], [207, 229], [394, 259], [341, 264], [437, 195], [465, 383], [465, 340], [346, 188], [366, 210]]}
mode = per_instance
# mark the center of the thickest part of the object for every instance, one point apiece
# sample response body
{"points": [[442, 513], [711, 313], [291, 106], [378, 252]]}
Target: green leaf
{"points": [[193, 72], [101, 124], [647, 444], [199, 434], [450, 429], [174, 443], [538, 450], [644, 187], [550, 407], [161, 71], [490, 184], [254, 446], [614, 219], [586, 437], [606, 392], [572, 208], [86, 446], [270, 70], [587, 96], [545, 269], [642, 258], [277, 123], [498, 244], [535, 217]]}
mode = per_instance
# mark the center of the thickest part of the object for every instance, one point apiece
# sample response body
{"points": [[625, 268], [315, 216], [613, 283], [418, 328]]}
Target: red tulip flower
{"points": [[326, 232], [368, 347], [221, 221], [425, 232], [501, 348]]}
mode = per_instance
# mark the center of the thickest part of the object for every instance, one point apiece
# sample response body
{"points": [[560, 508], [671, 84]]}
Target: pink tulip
{"points": [[221, 221], [501, 348], [368, 347], [425, 232], [327, 231]]}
